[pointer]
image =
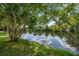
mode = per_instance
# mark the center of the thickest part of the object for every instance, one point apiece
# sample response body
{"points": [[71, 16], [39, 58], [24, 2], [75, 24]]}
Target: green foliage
{"points": [[67, 17], [16, 16], [20, 17], [55, 28]]}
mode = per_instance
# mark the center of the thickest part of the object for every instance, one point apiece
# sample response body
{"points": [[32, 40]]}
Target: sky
{"points": [[51, 23]]}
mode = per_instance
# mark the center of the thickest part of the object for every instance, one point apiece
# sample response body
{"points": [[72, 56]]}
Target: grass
{"points": [[2, 33], [27, 48]]}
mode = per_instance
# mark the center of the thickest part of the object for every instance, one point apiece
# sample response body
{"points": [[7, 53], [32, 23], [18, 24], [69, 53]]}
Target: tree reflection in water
{"points": [[64, 40]]}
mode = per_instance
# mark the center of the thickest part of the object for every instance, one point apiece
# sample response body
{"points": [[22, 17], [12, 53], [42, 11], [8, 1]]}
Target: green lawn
{"points": [[27, 48]]}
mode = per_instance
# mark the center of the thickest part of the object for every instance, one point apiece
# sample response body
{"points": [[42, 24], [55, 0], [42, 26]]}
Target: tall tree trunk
{"points": [[12, 30], [15, 29], [12, 35], [15, 32], [12, 38]]}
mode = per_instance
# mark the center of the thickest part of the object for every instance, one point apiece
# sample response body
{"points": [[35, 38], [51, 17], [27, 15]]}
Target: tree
{"points": [[66, 16], [20, 17]]}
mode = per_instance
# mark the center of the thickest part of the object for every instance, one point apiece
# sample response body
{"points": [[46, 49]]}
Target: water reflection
{"points": [[55, 40]]}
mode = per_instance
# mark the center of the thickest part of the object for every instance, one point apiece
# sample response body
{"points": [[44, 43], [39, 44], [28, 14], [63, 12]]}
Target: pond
{"points": [[56, 41]]}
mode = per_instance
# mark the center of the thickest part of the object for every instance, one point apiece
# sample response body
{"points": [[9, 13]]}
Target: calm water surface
{"points": [[52, 41]]}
